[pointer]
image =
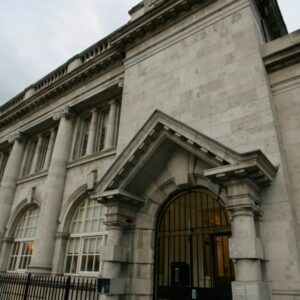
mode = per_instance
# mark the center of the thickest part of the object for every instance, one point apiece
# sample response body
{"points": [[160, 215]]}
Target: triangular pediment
{"points": [[148, 152]]}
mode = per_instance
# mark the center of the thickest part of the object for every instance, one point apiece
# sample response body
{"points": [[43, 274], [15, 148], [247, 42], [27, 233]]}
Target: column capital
{"points": [[63, 113], [19, 136], [112, 101], [53, 129], [119, 215]]}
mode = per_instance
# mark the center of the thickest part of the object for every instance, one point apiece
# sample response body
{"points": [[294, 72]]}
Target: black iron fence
{"points": [[42, 287]]}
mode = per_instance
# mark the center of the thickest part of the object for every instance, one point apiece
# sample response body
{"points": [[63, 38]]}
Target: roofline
{"points": [[125, 33]]}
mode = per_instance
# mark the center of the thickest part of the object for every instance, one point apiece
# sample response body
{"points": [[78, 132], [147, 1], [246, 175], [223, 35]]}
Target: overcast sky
{"points": [[37, 36]]}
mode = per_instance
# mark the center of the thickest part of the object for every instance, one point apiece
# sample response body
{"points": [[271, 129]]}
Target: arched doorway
{"points": [[191, 248]]}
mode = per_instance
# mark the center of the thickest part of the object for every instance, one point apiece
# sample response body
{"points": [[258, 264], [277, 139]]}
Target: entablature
{"points": [[110, 51], [282, 53]]}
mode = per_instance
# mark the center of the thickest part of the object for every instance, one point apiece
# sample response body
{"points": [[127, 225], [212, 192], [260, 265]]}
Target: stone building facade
{"points": [[165, 157]]}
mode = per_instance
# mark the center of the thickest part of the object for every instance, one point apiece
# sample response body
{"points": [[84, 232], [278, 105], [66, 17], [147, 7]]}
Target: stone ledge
{"points": [[91, 158], [282, 52]]}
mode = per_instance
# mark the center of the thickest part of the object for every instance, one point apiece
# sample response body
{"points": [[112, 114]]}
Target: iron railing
{"points": [[42, 287]]}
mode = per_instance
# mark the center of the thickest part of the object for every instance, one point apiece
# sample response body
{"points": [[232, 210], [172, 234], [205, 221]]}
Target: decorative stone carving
{"points": [[64, 113]]}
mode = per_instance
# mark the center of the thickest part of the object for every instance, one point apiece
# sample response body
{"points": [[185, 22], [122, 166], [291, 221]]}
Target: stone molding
{"points": [[110, 51], [64, 113], [225, 163], [288, 54]]}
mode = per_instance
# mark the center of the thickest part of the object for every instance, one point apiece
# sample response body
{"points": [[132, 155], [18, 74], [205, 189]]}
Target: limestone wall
{"points": [[285, 85], [207, 72]]}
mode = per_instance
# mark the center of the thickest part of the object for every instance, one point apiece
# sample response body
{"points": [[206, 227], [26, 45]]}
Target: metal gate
{"points": [[192, 255]]}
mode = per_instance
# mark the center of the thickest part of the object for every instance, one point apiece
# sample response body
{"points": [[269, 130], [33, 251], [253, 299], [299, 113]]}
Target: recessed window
{"points": [[102, 130], [82, 136], [30, 151], [23, 244], [37, 150], [43, 152], [96, 130], [87, 237]]}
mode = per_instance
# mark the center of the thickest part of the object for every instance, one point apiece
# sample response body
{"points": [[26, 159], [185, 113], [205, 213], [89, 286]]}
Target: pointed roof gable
{"points": [[146, 154]]}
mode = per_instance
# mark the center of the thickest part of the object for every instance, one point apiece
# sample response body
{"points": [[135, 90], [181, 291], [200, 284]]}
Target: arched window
{"points": [[23, 244], [87, 237]]}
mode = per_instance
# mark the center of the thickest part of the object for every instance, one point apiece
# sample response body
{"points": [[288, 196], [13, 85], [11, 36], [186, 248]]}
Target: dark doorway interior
{"points": [[192, 256]]}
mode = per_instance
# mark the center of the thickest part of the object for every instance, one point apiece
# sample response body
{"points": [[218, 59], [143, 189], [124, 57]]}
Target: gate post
{"points": [[245, 247], [27, 286], [67, 289], [244, 182], [119, 218]]}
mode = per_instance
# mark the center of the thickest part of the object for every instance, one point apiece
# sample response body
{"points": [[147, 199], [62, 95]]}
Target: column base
{"points": [[250, 291]]}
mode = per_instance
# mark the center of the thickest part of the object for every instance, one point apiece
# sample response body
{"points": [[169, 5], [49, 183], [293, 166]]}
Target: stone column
{"points": [[116, 253], [50, 149], [9, 179], [92, 132], [37, 154], [61, 241], [245, 247], [110, 135], [5, 252], [52, 198]]}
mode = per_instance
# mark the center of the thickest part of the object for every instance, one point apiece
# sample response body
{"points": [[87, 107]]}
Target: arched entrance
{"points": [[191, 248]]}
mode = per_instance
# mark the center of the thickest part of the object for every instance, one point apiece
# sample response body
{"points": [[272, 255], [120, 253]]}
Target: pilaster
{"points": [[61, 241], [119, 218], [245, 247], [4, 254], [243, 182]]}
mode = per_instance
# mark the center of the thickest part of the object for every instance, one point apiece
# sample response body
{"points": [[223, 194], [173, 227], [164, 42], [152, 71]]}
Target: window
{"points": [[82, 137], [43, 152], [96, 130], [37, 150], [30, 151], [23, 244], [3, 161], [103, 130], [87, 236]]}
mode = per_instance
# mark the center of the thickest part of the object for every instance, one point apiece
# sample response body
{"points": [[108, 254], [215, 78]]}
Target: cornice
{"points": [[271, 14], [21, 106], [108, 52], [283, 58]]}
